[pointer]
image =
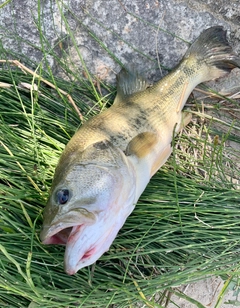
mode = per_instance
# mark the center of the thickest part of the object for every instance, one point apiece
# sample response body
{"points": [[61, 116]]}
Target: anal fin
{"points": [[186, 118]]}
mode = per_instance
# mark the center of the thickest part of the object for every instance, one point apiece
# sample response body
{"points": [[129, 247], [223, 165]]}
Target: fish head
{"points": [[92, 194]]}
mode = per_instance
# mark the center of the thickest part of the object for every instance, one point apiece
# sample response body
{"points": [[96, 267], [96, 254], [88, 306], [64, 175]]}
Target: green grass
{"points": [[184, 228], [185, 225]]}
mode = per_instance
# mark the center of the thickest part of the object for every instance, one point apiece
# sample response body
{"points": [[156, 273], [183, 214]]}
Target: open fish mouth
{"points": [[76, 253], [86, 238], [60, 237], [61, 229]]}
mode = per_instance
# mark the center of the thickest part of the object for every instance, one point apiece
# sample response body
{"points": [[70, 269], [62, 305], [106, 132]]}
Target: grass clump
{"points": [[184, 227]]}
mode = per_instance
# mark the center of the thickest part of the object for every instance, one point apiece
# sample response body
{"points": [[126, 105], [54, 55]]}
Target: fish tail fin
{"points": [[212, 50]]}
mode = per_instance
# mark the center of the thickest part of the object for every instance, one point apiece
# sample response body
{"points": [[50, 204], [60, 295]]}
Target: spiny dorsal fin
{"points": [[128, 83], [142, 144]]}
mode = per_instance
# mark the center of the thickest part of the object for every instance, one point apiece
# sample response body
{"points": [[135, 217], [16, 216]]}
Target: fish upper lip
{"points": [[74, 217]]}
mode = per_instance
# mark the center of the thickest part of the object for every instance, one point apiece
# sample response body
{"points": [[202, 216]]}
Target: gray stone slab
{"points": [[140, 33]]}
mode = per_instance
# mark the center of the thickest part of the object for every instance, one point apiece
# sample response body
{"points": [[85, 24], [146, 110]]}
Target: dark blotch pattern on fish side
{"points": [[137, 122], [119, 139], [178, 83], [135, 125], [102, 145]]}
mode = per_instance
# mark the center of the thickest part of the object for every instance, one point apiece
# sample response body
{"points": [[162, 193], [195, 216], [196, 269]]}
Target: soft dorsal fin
{"points": [[142, 144], [128, 83]]}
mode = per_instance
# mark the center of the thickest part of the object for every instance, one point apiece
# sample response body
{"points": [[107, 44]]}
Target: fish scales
{"points": [[162, 97], [109, 161]]}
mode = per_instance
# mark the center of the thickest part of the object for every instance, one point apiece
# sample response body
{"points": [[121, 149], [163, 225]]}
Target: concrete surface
{"points": [[143, 33]]}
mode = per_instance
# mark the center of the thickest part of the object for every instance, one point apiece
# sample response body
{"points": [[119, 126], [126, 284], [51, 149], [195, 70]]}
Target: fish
{"points": [[110, 160]]}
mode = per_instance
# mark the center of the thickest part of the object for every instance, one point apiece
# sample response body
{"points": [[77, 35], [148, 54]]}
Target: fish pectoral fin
{"points": [[142, 144], [128, 83], [149, 156]]}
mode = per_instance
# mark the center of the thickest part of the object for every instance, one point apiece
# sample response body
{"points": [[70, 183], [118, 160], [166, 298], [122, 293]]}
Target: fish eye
{"points": [[62, 196]]}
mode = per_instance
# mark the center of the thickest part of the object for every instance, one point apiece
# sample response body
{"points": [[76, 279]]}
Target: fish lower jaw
{"points": [[87, 247], [84, 259]]}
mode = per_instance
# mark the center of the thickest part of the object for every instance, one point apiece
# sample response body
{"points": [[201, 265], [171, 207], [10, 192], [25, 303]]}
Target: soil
{"points": [[207, 293]]}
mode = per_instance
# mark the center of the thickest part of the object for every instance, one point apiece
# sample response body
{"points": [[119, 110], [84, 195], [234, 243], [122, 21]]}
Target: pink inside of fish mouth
{"points": [[65, 236]]}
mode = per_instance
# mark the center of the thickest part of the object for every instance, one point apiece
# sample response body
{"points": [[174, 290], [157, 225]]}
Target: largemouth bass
{"points": [[109, 161]]}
